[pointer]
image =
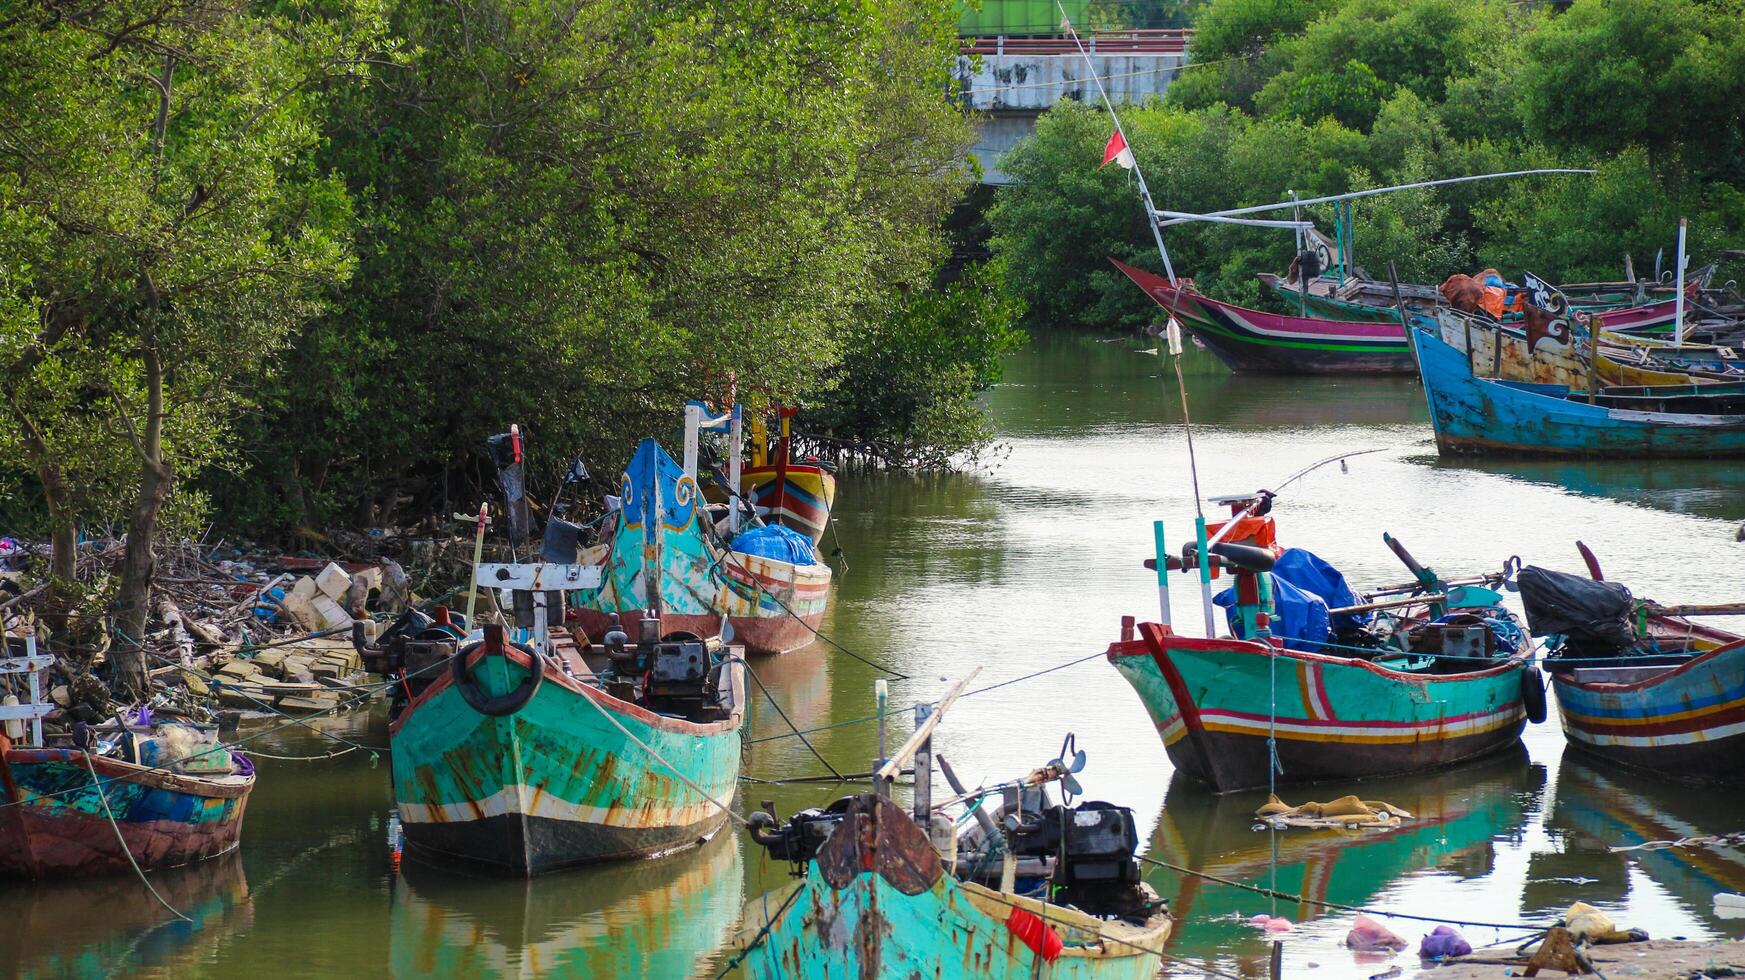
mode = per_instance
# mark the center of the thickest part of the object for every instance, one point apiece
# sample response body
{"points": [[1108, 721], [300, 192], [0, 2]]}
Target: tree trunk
{"points": [[133, 596], [139, 560]]}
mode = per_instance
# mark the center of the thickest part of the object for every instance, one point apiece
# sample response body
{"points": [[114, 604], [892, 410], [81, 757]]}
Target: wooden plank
{"points": [[907, 750]]}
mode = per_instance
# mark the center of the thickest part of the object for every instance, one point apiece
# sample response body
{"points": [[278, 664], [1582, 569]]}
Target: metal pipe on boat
{"points": [[1157, 540], [1205, 562], [1678, 304], [1411, 600], [982, 818]]}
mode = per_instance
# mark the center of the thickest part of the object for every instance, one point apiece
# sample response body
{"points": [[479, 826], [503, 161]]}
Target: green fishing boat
{"points": [[528, 753], [1313, 685], [1034, 889]]}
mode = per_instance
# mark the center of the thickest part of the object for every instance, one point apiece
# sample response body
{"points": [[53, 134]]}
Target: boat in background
{"points": [[1341, 698], [1252, 341], [1474, 413], [662, 553], [793, 494], [1639, 684]]}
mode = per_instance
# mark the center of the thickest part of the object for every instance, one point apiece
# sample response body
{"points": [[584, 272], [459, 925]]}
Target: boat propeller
{"points": [[1059, 769]]}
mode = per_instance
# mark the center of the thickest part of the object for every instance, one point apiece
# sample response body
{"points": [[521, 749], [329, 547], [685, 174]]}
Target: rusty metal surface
{"points": [[878, 836]]}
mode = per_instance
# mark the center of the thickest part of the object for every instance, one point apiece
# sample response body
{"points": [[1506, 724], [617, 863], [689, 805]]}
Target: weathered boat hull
{"points": [[556, 783], [1646, 317], [1686, 722], [1337, 718], [797, 495], [55, 826], [1252, 341], [1478, 415], [876, 904]]}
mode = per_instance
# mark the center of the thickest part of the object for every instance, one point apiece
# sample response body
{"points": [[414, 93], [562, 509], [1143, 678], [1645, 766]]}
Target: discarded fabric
{"points": [[1444, 941], [1368, 934]]}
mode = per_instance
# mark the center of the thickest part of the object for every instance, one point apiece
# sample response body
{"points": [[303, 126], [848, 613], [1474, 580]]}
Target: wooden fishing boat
{"points": [[1373, 302], [1474, 413], [662, 554], [793, 494], [57, 817], [1658, 693], [1414, 693], [1252, 341], [526, 757]]}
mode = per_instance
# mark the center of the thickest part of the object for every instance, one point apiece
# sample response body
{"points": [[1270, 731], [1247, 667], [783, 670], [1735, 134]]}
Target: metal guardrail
{"points": [[1164, 41]]}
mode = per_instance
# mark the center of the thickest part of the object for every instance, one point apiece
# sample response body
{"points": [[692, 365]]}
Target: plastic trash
{"points": [[1271, 923], [1444, 941], [1368, 934], [777, 542]]}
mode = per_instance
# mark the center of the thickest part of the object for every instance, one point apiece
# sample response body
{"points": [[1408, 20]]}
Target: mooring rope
{"points": [[815, 631], [1305, 900], [663, 761], [121, 841], [803, 739], [757, 940]]}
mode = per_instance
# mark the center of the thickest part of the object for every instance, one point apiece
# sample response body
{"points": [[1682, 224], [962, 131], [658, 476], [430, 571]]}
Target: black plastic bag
{"points": [[1591, 616]]}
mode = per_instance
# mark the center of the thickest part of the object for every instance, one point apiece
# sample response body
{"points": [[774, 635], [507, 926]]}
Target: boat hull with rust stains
{"points": [[877, 904], [1474, 414], [1336, 718], [55, 825], [557, 783]]}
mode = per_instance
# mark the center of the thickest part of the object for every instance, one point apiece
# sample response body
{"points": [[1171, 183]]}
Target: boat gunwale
{"points": [[1611, 687], [1166, 641], [228, 786]]}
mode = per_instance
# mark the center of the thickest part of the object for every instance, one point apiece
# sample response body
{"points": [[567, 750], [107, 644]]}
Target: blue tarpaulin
{"points": [[1309, 572], [1300, 618], [778, 542]]}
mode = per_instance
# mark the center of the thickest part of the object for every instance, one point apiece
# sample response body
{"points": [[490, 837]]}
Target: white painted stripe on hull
{"points": [[1224, 722], [512, 800], [1656, 741]]}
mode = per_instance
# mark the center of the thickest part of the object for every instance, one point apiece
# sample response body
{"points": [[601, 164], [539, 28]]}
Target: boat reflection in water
{"points": [[1669, 892], [1459, 813], [1696, 487], [663, 917], [101, 927]]}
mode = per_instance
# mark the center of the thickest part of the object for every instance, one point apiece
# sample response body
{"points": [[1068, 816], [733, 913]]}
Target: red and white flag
{"points": [[1116, 149]]}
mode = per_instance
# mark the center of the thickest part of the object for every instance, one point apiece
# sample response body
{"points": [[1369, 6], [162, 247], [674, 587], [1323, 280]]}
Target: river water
{"points": [[1025, 564]]}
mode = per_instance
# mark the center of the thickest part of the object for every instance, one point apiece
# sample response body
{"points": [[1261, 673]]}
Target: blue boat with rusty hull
{"points": [[1474, 414]]}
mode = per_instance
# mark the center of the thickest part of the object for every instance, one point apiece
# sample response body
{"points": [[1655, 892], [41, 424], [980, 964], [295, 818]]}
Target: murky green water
{"points": [[1025, 565]]}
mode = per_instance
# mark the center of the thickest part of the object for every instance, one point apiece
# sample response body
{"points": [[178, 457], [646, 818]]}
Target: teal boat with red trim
{"points": [[1305, 693]]}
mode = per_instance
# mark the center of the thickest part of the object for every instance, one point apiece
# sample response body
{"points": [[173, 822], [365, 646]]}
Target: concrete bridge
{"points": [[1012, 80]]}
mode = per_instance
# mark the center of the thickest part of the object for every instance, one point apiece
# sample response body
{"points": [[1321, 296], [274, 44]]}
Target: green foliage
{"points": [[905, 391], [575, 219], [1323, 98]]}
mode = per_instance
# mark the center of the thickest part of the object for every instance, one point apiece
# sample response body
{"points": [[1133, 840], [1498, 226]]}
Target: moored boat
{"points": [[1638, 684], [1353, 701], [527, 757], [1474, 413], [1254, 341], [663, 554], [69, 813], [1033, 888], [794, 494]]}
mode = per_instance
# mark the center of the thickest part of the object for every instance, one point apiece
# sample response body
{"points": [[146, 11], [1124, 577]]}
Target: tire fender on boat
{"points": [[495, 706], [1533, 695]]}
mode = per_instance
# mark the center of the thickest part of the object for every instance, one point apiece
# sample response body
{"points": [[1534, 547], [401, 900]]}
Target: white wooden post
{"points": [[735, 464], [693, 421], [1678, 308]]}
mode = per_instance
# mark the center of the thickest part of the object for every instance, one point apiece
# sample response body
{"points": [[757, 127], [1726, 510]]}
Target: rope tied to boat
{"points": [[103, 796], [1305, 900]]}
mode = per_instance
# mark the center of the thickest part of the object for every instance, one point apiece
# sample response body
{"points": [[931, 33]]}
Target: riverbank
{"points": [[1661, 958]]}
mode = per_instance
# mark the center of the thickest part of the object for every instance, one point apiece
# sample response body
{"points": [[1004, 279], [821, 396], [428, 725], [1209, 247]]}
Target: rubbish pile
{"points": [[230, 631], [1345, 813]]}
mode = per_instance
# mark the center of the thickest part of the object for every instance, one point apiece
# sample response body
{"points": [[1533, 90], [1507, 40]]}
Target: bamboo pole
{"points": [[1678, 307], [907, 750]]}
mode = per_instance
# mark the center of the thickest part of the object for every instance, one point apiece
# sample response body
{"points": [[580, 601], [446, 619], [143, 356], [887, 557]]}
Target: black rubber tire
{"points": [[1533, 695], [502, 704]]}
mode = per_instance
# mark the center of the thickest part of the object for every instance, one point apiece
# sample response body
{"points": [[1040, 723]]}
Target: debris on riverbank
{"points": [[1663, 959]]}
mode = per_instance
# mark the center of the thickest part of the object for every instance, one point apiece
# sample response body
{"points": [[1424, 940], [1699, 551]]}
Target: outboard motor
{"points": [[799, 839], [410, 653], [1090, 847]]}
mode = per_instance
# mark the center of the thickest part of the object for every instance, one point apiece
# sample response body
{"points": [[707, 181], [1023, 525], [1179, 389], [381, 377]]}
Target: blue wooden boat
{"points": [[1637, 683], [1474, 414]]}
